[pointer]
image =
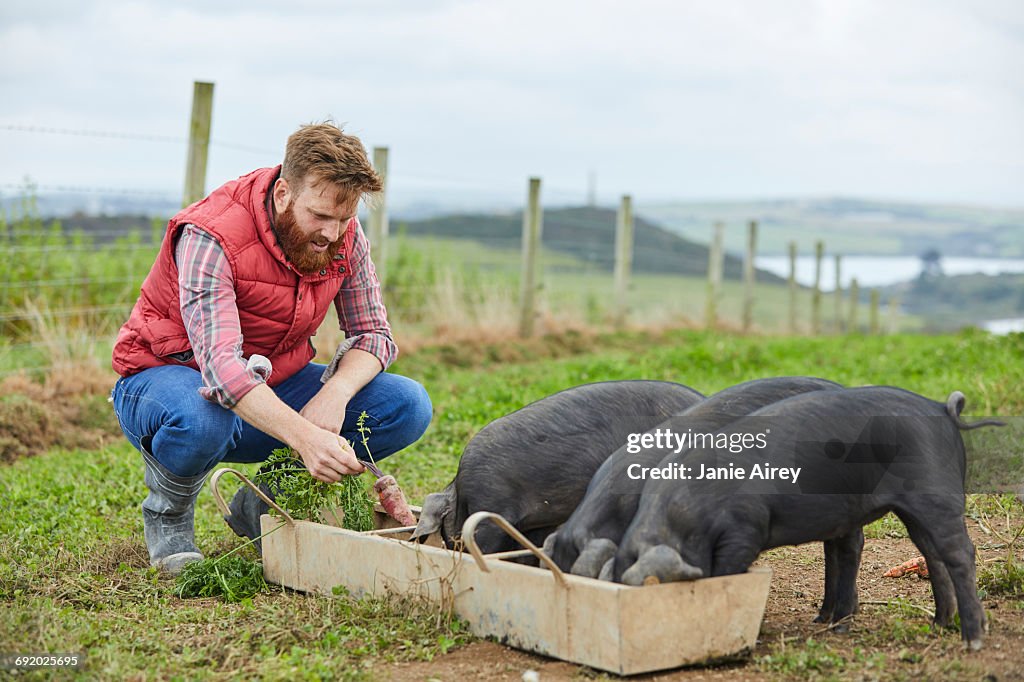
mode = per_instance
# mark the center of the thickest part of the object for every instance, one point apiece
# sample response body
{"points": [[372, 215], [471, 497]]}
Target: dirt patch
{"points": [[483, 351], [887, 640], [66, 409]]}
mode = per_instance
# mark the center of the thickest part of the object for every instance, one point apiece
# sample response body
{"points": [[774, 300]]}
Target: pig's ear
{"points": [[436, 508], [450, 531], [661, 563]]}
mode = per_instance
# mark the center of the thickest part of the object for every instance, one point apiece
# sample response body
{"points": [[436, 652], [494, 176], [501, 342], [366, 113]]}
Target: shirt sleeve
{"points": [[207, 291], [360, 305]]}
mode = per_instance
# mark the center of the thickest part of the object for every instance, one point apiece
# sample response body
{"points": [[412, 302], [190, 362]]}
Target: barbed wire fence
{"points": [[67, 285]]}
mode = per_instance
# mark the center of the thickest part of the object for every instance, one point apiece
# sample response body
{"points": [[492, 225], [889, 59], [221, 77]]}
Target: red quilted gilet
{"points": [[278, 308]]}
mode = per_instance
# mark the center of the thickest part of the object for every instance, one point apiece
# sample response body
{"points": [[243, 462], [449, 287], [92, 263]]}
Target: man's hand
{"points": [[328, 456], [313, 431]]}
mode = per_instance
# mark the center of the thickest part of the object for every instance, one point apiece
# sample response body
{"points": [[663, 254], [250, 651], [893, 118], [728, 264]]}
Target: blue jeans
{"points": [[189, 435]]}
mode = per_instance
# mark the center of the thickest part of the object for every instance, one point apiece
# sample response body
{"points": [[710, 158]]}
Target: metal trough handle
{"points": [[219, 499], [469, 531]]}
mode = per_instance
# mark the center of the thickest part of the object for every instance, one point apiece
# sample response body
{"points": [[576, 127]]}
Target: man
{"points": [[252, 270]]}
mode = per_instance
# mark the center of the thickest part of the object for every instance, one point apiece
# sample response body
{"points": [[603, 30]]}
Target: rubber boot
{"points": [[168, 516], [246, 507]]}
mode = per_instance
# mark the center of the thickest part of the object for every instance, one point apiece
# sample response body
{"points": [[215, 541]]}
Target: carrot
{"points": [[393, 500], [917, 566]]}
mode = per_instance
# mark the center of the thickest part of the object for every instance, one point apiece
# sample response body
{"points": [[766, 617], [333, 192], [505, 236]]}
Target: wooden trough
{"points": [[608, 626]]}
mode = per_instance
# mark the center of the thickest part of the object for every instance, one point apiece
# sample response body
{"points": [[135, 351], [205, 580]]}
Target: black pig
{"points": [[532, 466], [860, 453]]}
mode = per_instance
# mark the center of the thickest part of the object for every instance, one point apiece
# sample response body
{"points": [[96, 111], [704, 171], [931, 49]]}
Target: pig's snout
{"points": [[594, 556], [434, 517], [663, 563]]}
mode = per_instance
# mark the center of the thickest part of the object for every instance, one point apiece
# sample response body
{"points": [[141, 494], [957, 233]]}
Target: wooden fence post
{"points": [[894, 310], [792, 287], [839, 295], [854, 304], [198, 142], [532, 226], [623, 258], [873, 316], [819, 253], [748, 277], [379, 227], [715, 267]]}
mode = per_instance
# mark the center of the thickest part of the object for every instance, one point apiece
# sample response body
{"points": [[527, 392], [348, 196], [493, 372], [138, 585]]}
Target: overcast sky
{"points": [[673, 100]]}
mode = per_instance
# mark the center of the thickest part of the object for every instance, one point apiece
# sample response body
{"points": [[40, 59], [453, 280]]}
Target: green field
{"points": [[63, 297], [483, 291], [73, 575]]}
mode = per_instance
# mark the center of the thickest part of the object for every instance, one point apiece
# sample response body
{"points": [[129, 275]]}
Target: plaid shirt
{"points": [[207, 290]]}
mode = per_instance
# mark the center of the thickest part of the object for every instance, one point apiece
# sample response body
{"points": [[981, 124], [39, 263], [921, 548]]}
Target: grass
{"points": [[814, 659], [1003, 579], [889, 526], [74, 575], [435, 289]]}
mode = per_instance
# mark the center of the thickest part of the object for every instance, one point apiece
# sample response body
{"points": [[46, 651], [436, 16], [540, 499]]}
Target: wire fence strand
{"points": [[119, 135]]}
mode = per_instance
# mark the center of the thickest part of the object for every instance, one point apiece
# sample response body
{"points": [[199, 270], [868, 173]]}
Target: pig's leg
{"points": [[828, 601], [948, 535], [848, 549], [942, 586]]}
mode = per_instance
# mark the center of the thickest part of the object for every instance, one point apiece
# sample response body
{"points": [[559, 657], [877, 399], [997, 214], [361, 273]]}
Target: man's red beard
{"points": [[296, 245]]}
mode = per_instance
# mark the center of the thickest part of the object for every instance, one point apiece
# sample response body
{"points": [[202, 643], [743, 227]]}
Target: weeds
{"points": [[1003, 578], [814, 660], [304, 497], [230, 577], [364, 433], [889, 526], [356, 506]]}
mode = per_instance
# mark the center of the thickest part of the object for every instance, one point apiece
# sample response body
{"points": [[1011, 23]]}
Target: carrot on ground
{"points": [[916, 566]]}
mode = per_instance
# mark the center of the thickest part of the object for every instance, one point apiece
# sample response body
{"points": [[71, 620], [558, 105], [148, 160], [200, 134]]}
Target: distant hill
{"points": [[852, 226], [587, 233], [950, 302], [61, 204], [847, 226]]}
